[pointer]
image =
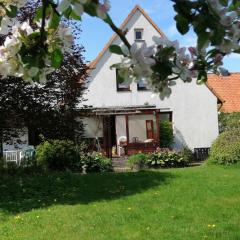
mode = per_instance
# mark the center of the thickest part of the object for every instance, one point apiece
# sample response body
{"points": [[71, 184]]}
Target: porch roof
{"points": [[121, 110]]}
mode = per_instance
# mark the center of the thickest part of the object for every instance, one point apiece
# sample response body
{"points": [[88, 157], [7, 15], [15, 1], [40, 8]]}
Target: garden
{"points": [[65, 192]]}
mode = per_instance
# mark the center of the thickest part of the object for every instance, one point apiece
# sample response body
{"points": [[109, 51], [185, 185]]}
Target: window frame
{"points": [[135, 34], [119, 89], [170, 115]]}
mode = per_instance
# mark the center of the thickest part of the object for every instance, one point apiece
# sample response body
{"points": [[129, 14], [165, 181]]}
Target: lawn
{"points": [[179, 204]]}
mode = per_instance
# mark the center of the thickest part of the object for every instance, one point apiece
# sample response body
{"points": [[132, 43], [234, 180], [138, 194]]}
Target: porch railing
{"points": [[137, 147]]}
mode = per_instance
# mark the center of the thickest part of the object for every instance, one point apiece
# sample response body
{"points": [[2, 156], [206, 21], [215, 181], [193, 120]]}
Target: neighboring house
{"points": [[128, 116], [228, 89]]}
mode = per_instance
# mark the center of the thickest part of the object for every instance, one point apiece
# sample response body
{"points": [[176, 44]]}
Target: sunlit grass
{"points": [[180, 204]]}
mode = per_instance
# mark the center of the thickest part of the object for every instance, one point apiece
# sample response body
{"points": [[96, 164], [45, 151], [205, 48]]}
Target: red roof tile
{"points": [[228, 89]]}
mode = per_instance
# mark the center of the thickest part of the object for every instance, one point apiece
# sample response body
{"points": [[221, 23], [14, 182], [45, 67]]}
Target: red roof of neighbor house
{"points": [[228, 89]]}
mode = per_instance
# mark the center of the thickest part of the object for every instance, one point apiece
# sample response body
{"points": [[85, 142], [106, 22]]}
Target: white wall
{"points": [[137, 126], [194, 107], [120, 127]]}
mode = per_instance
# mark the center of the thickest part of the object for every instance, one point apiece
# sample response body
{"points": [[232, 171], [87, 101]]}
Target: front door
{"points": [[149, 128], [109, 134]]}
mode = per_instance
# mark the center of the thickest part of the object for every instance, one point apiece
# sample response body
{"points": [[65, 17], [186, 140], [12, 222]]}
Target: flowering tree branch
{"points": [[215, 22], [120, 33], [42, 30]]}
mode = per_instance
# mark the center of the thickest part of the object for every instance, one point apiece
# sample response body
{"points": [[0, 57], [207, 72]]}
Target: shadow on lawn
{"points": [[20, 194]]}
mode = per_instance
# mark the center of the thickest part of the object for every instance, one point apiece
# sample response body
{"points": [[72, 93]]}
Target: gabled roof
{"points": [[123, 25], [228, 89], [93, 64]]}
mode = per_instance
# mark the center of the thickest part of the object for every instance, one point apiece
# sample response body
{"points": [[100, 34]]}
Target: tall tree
{"points": [[50, 110]]}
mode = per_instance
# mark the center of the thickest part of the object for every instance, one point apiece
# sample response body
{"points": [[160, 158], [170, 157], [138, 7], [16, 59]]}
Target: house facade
{"points": [[126, 118]]}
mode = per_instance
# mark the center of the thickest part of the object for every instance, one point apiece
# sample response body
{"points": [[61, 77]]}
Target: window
{"points": [[138, 34], [166, 116], [121, 85], [142, 85]]}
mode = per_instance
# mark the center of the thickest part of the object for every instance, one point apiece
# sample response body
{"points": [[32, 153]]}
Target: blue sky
{"points": [[96, 33]]}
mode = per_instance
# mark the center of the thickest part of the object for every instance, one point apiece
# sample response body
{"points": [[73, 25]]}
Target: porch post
{"points": [[158, 126], [127, 132]]}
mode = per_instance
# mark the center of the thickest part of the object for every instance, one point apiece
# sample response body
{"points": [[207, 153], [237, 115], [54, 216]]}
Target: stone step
{"points": [[122, 169], [120, 164]]}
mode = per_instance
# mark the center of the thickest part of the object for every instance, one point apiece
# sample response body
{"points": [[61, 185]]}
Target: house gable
{"points": [[102, 79], [125, 25]]}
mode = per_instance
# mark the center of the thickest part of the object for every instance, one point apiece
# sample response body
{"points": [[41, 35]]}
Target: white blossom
{"points": [[139, 60], [66, 36], [165, 42], [11, 60], [77, 6], [102, 9]]}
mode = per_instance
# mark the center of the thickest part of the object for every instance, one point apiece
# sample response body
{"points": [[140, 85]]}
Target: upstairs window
{"points": [[142, 85], [138, 34], [121, 85]]}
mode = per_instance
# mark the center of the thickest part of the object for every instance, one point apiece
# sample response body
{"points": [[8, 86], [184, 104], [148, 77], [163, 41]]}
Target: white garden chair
{"points": [[11, 156], [120, 149]]}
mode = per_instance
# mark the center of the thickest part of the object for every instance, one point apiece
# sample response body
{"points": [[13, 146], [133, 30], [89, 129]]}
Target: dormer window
{"points": [[138, 34]]}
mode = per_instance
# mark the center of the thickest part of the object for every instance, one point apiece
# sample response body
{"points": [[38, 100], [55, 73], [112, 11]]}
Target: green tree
{"points": [[166, 134]]}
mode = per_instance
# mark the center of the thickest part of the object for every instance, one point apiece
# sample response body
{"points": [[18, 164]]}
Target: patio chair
{"points": [[11, 156], [122, 142], [28, 152]]}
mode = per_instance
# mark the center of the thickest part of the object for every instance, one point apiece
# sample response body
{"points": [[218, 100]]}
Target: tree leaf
{"points": [[202, 77], [12, 11], [116, 49], [54, 20], [56, 58], [182, 24], [68, 12], [202, 39], [74, 16]]}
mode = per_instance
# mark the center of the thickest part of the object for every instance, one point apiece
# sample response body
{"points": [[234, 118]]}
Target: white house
{"points": [[128, 116]]}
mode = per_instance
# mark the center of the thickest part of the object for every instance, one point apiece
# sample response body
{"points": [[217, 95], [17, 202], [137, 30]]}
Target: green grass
{"points": [[178, 204]]}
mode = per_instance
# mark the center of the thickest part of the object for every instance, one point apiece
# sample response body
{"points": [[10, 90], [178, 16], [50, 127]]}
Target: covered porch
{"points": [[129, 130]]}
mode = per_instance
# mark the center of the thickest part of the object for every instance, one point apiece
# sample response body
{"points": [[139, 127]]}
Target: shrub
{"points": [[166, 133], [96, 163], [229, 121], [166, 159], [226, 148], [187, 154], [138, 160], [58, 155], [28, 162], [2, 163]]}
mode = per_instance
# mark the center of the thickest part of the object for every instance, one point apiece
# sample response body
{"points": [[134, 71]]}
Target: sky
{"points": [[96, 33]]}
